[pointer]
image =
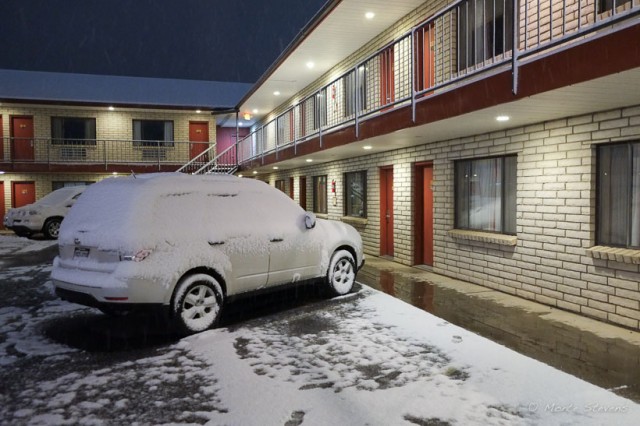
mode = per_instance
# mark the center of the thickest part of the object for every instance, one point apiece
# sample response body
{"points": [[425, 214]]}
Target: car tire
{"points": [[342, 273], [197, 303], [51, 228]]}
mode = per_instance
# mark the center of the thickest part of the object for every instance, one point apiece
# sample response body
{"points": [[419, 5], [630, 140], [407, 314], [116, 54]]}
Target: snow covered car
{"points": [[45, 215], [189, 243]]}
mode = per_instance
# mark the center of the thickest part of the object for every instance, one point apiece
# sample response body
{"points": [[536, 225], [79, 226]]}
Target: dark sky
{"points": [[189, 39]]}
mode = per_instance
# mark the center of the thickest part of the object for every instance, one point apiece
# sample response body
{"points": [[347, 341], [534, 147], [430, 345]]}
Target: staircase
{"points": [[222, 163]]}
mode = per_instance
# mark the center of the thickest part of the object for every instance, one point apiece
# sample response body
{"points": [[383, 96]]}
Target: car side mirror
{"points": [[309, 220]]}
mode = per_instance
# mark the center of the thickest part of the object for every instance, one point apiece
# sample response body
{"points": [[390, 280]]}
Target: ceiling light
{"points": [[502, 118], [2, 172], [111, 108], [276, 93], [115, 173], [369, 15], [246, 116], [198, 111], [255, 172], [309, 160], [240, 123], [275, 167], [239, 175], [367, 147], [255, 111], [310, 65]]}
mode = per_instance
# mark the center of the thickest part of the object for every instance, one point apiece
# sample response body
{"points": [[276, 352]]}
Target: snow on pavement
{"points": [[365, 358]]}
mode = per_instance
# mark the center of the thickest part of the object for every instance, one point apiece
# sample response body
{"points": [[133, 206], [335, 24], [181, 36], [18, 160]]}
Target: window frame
{"points": [[280, 185], [505, 215], [347, 194], [627, 215], [64, 140], [317, 192], [146, 143]]}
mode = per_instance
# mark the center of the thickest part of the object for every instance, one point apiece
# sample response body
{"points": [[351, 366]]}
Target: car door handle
{"points": [[216, 243], [276, 240]]}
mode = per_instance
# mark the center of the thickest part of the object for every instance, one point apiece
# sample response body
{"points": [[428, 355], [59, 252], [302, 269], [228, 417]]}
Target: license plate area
{"points": [[81, 252]]}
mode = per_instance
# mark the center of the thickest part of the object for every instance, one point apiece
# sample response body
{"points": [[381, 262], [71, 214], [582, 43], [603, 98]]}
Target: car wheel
{"points": [[51, 228], [342, 273], [197, 303]]}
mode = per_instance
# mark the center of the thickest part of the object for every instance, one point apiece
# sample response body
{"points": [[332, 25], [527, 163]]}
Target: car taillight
{"points": [[138, 257]]}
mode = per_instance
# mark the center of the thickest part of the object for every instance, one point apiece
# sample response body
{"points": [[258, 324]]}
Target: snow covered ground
{"points": [[362, 359]]}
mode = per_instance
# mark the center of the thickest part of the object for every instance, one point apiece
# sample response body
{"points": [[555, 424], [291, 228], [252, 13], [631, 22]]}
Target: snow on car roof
{"points": [[142, 210]]}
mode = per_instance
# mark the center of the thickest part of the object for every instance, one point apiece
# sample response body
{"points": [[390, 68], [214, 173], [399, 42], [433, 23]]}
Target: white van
{"points": [[190, 242], [45, 215]]}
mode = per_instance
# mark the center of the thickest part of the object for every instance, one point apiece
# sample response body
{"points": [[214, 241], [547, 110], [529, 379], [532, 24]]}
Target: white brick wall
{"points": [[555, 214]]}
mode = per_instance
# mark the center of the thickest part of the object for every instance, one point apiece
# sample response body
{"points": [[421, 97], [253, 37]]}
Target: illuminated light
{"points": [[240, 175], [2, 172], [198, 111], [502, 118], [255, 111], [369, 15], [246, 116], [275, 167], [309, 160], [367, 147], [111, 108], [310, 65], [255, 172], [276, 93], [115, 173], [240, 124]]}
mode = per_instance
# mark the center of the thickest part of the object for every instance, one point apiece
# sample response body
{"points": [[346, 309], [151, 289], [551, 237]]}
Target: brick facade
{"points": [[552, 260]]}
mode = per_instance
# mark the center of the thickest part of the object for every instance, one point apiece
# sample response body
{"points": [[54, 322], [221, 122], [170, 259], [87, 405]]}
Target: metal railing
{"points": [[464, 39], [99, 152], [224, 162]]}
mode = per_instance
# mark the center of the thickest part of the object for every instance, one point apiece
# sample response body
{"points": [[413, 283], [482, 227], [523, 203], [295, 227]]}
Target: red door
{"points": [[386, 211], [2, 211], [1, 140], [198, 132], [387, 77], [423, 215], [303, 192], [23, 193], [425, 58], [22, 134]]}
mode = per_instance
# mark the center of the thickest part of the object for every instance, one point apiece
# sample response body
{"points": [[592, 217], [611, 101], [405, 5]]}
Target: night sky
{"points": [[186, 39]]}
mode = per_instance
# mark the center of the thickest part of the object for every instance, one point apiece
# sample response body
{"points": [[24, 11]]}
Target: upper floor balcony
{"points": [[99, 155], [471, 55]]}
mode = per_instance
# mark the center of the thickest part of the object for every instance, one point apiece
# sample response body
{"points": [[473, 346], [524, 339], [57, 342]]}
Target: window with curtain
{"points": [[73, 131], [618, 195], [152, 133], [320, 194], [485, 30], [355, 194], [485, 194]]}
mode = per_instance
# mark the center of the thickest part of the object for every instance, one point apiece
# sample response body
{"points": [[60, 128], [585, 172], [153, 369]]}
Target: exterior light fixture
{"points": [[276, 93], [198, 111], [115, 173], [309, 160], [310, 65], [255, 111], [246, 116], [240, 175], [255, 172], [275, 167], [367, 147], [502, 118], [2, 172], [240, 123], [111, 108], [369, 15]]}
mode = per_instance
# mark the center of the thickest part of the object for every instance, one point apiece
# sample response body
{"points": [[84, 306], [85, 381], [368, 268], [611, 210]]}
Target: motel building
{"points": [[492, 141]]}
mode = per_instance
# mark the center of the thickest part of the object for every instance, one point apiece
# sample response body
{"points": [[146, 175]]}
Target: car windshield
{"points": [[57, 196]]}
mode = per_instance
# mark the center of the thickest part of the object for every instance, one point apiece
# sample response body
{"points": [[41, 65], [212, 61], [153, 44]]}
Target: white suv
{"points": [[45, 215], [189, 243]]}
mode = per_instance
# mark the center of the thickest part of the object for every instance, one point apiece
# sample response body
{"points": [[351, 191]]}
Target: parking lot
{"points": [[294, 357]]}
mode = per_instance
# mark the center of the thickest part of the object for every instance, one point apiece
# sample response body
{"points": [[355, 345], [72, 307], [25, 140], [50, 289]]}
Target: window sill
{"points": [[616, 254], [354, 220], [485, 237]]}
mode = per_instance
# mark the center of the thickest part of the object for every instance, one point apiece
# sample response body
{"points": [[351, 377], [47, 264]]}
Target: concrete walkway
{"points": [[600, 353]]}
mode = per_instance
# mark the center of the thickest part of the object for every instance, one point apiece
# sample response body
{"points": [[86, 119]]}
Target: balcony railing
{"points": [[464, 39], [45, 151]]}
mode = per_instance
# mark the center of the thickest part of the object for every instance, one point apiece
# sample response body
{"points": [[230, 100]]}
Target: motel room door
{"points": [[22, 134], [198, 132], [423, 218], [2, 212], [386, 211], [23, 193]]}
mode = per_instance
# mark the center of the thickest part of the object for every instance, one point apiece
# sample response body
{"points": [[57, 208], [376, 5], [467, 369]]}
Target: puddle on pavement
{"points": [[609, 363]]}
